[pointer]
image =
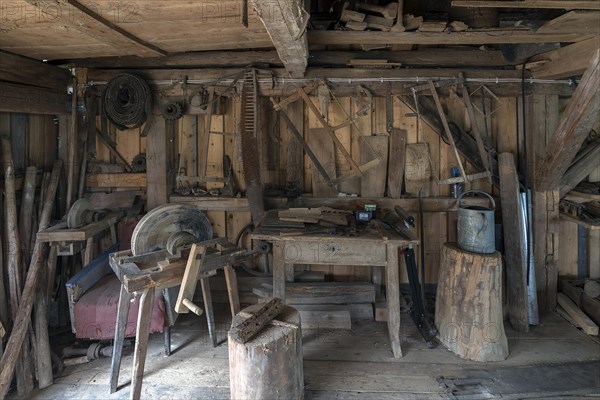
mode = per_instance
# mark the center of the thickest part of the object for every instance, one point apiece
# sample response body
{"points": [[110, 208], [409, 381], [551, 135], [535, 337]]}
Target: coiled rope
{"points": [[127, 102]]}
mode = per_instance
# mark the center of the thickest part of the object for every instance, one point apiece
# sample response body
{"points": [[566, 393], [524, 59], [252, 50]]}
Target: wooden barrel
{"points": [[269, 366], [468, 305]]}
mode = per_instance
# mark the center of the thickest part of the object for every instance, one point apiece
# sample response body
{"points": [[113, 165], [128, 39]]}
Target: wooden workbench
{"points": [[368, 249]]}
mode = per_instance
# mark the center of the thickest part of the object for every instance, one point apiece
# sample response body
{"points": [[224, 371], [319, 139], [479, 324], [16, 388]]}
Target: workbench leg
{"points": [[232, 290], [208, 307], [279, 271], [167, 340], [89, 252], [393, 298], [141, 342], [289, 272], [113, 234], [120, 327]]}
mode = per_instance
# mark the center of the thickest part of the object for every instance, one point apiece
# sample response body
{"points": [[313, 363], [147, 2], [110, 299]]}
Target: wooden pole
{"points": [[26, 215], [71, 146], [15, 281], [21, 323]]}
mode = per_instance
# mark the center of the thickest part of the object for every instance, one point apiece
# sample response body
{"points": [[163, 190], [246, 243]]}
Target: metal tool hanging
{"points": [[450, 139], [250, 147]]}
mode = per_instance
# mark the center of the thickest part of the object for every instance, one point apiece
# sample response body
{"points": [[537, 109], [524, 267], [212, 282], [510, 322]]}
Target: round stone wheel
{"points": [[155, 229], [268, 366]]}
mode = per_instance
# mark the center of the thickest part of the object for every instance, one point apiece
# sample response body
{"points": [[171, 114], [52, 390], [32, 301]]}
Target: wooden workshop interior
{"points": [[287, 199]]}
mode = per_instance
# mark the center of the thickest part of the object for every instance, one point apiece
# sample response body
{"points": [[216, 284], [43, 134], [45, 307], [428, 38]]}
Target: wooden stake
{"points": [[26, 215], [21, 322], [15, 281]]}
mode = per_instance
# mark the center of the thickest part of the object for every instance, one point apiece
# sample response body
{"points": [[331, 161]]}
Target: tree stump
{"points": [[468, 306], [269, 366]]}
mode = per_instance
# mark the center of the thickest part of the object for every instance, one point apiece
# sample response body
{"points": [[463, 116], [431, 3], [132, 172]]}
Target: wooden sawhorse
{"points": [[159, 270]]}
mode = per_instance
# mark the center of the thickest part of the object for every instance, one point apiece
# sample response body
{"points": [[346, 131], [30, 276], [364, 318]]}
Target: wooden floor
{"points": [[357, 364]]}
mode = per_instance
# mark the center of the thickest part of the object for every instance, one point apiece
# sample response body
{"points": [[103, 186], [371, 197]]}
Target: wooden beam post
{"points": [[575, 123], [156, 165], [287, 28], [565, 62]]}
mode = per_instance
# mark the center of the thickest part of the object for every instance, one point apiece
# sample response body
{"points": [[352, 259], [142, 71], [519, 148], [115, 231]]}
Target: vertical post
{"points": [[393, 298]]}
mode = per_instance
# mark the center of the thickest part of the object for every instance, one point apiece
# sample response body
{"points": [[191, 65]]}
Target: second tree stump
{"points": [[468, 306]]}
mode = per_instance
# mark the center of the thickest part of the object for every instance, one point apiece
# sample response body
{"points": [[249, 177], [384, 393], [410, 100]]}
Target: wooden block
{"points": [[411, 22], [358, 311], [458, 26], [592, 288], [417, 173], [325, 319], [251, 326], [432, 26], [352, 16], [379, 21], [582, 320], [324, 293], [356, 26], [470, 284]]}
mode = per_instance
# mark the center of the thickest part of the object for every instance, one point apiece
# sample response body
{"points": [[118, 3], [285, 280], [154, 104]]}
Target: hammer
{"points": [[388, 11]]}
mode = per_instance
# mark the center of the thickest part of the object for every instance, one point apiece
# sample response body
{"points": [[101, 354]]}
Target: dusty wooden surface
{"points": [[270, 365], [468, 313]]}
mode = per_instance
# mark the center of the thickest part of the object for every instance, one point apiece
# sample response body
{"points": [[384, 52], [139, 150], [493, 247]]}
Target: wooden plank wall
{"points": [[280, 161]]}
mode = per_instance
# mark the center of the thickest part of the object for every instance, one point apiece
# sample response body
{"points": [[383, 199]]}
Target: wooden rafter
{"points": [[285, 22], [558, 4], [105, 30], [454, 57], [442, 38], [565, 62], [575, 123]]}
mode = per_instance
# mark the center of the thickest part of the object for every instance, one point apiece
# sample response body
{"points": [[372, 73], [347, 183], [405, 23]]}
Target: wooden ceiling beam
{"points": [[557, 4], [451, 57], [106, 31], [575, 123], [286, 27], [565, 62], [27, 71], [441, 38], [199, 59]]}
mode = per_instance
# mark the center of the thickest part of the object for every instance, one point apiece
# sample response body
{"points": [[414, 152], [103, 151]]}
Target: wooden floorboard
{"points": [[355, 364]]}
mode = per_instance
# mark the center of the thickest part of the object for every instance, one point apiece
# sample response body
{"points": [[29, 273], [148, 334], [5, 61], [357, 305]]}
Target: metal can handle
{"points": [[480, 192]]}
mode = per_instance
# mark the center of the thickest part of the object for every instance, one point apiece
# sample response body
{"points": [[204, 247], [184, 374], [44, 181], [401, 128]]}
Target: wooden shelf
{"points": [[591, 227], [430, 204]]}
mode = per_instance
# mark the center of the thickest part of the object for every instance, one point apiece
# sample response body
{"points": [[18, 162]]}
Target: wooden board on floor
{"points": [[417, 172], [322, 145], [582, 320], [372, 183]]}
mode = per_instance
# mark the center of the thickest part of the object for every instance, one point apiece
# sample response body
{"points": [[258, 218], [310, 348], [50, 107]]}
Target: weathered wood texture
{"points": [[514, 243], [247, 329], [270, 365], [470, 284], [285, 23], [576, 121], [21, 323]]}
